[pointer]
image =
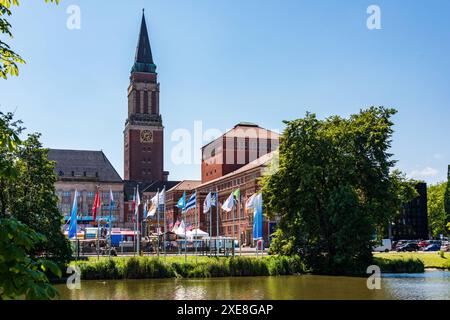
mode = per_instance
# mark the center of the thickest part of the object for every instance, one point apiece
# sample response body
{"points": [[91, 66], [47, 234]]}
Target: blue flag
{"points": [[73, 218], [182, 202], [258, 217]]}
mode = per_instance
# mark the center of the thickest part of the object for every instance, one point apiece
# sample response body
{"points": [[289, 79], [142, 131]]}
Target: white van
{"points": [[385, 246]]}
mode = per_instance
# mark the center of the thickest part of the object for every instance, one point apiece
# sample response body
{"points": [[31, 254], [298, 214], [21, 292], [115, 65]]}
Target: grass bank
{"points": [[205, 267], [400, 261], [176, 267]]}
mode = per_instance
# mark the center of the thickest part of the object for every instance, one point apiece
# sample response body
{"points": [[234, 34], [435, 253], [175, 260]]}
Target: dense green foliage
{"points": [[334, 189], [409, 265], [437, 260], [30, 197], [152, 268], [21, 275], [447, 198], [8, 58], [437, 216]]}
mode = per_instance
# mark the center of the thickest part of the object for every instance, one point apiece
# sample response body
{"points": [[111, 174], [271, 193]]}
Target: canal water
{"points": [[429, 285]]}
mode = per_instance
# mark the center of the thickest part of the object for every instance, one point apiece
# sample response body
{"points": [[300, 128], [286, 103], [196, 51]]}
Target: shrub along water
{"points": [[153, 268], [410, 265]]}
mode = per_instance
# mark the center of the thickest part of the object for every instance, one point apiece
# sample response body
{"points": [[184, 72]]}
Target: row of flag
{"points": [[95, 209], [152, 207], [254, 202]]}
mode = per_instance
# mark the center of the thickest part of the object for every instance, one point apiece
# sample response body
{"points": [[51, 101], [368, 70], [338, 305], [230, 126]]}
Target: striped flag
{"points": [[192, 202]]}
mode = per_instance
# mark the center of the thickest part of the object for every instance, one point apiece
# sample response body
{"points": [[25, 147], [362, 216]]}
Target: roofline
{"points": [[181, 182], [256, 126], [235, 172]]}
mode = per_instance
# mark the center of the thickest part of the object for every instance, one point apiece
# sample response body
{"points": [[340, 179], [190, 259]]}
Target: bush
{"points": [[400, 266], [153, 268]]}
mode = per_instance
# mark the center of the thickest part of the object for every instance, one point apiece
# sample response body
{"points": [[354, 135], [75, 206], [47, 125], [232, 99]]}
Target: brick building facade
{"points": [[85, 171], [241, 145]]}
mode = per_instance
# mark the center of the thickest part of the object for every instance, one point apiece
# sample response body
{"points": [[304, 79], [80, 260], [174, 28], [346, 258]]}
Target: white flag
{"points": [[250, 203], [207, 203], [138, 202], [162, 197], [228, 205], [154, 206]]}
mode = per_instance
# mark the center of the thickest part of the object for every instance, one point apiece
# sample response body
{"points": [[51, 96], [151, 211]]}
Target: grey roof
{"points": [[83, 165]]}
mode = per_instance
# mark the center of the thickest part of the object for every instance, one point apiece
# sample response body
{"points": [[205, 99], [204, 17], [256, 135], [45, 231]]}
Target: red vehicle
{"points": [[423, 244]]}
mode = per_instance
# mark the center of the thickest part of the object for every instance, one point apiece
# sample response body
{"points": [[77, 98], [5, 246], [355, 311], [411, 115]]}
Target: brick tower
{"points": [[144, 131]]}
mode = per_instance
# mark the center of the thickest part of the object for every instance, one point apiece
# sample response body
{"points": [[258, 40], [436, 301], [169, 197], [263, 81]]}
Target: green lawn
{"points": [[430, 260]]}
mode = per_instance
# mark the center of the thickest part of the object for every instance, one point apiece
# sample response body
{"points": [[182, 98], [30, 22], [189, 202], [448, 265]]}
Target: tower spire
{"points": [[143, 61]]}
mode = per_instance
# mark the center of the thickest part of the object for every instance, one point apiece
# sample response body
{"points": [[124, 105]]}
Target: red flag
{"points": [[96, 205]]}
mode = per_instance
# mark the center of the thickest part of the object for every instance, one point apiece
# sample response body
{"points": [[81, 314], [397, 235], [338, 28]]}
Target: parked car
{"points": [[384, 246], [424, 244], [433, 247], [398, 244], [439, 242], [409, 247]]}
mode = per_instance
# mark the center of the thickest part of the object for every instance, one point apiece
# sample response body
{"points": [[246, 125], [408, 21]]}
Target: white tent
{"points": [[180, 230], [197, 233]]}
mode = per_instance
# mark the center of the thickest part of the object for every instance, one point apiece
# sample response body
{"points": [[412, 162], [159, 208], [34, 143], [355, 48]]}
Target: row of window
{"points": [[235, 182], [79, 174]]}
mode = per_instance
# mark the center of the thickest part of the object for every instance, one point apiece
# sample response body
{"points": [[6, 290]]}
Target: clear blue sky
{"points": [[225, 61]]}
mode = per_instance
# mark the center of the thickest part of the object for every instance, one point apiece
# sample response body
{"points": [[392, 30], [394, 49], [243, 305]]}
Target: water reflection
{"points": [[430, 285]]}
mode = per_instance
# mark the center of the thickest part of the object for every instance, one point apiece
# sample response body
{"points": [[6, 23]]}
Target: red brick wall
{"points": [[140, 163]]}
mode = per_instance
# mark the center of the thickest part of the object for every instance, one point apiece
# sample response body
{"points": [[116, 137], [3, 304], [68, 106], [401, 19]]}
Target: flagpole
{"points": [[134, 222], [210, 226], [157, 219], [138, 244], [196, 227], [217, 219], [165, 224], [185, 236], [234, 222], [110, 222], [98, 225], [239, 224]]}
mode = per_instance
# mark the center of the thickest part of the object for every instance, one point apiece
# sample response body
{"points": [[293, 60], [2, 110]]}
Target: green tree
{"points": [[334, 189], [8, 58], [22, 275], [33, 201], [447, 196], [437, 217]]}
